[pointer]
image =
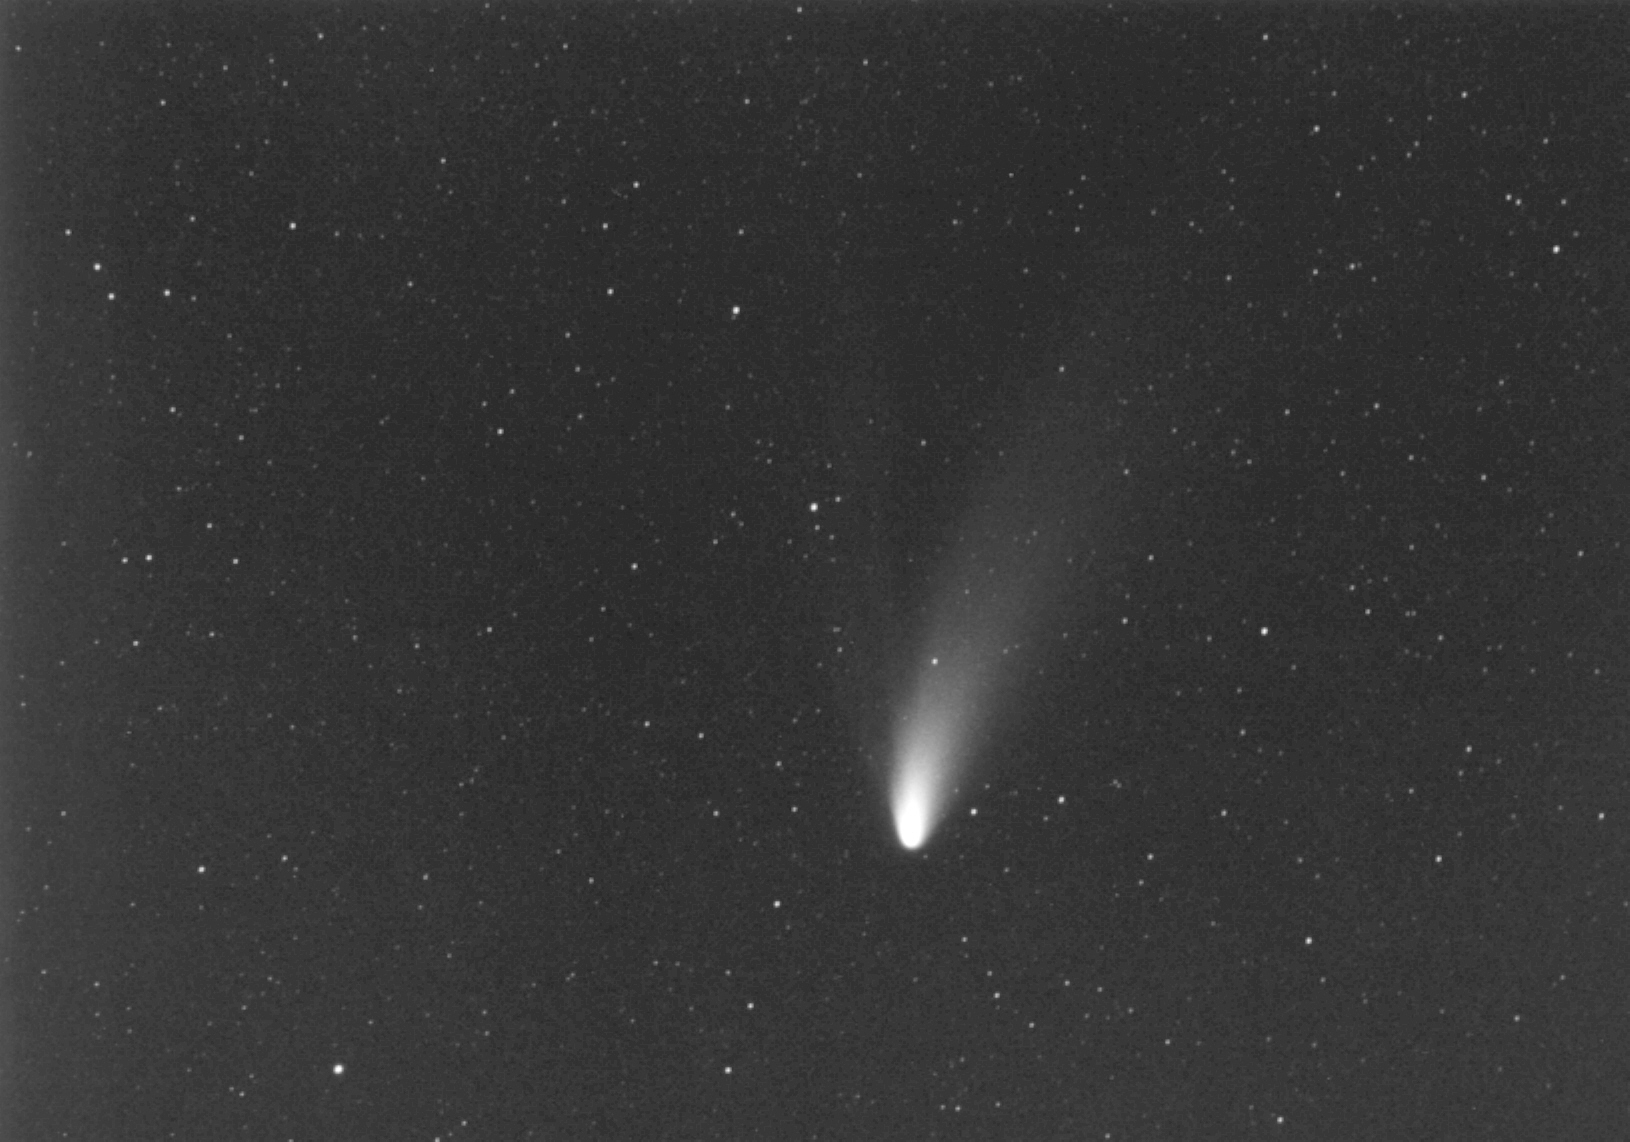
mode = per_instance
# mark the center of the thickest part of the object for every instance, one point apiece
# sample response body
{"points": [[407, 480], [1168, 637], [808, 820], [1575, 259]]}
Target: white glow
{"points": [[923, 777], [1022, 546], [911, 816]]}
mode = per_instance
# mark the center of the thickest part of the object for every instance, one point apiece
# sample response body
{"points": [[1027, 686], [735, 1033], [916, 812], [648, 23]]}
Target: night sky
{"points": [[488, 490]]}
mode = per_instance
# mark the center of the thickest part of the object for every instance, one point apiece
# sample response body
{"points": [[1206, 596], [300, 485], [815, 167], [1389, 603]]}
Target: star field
{"points": [[477, 480]]}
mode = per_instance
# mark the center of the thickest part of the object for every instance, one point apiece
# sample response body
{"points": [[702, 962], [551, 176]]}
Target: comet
{"points": [[1023, 545], [923, 783], [961, 687], [933, 742]]}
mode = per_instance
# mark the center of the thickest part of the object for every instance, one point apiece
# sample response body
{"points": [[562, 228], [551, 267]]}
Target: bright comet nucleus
{"points": [[921, 783], [911, 817]]}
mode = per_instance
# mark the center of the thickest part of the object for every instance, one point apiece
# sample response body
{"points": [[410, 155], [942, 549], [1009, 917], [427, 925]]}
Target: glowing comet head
{"points": [[911, 817], [922, 783]]}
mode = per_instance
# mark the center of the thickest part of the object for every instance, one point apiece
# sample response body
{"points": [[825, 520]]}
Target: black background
{"points": [[476, 479]]}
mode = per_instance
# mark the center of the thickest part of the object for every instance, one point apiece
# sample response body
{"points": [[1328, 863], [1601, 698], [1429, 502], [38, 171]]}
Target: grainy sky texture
{"points": [[483, 483]]}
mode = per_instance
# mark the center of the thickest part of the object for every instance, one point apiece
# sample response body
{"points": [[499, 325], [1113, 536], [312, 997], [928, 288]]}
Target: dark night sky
{"points": [[478, 482]]}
